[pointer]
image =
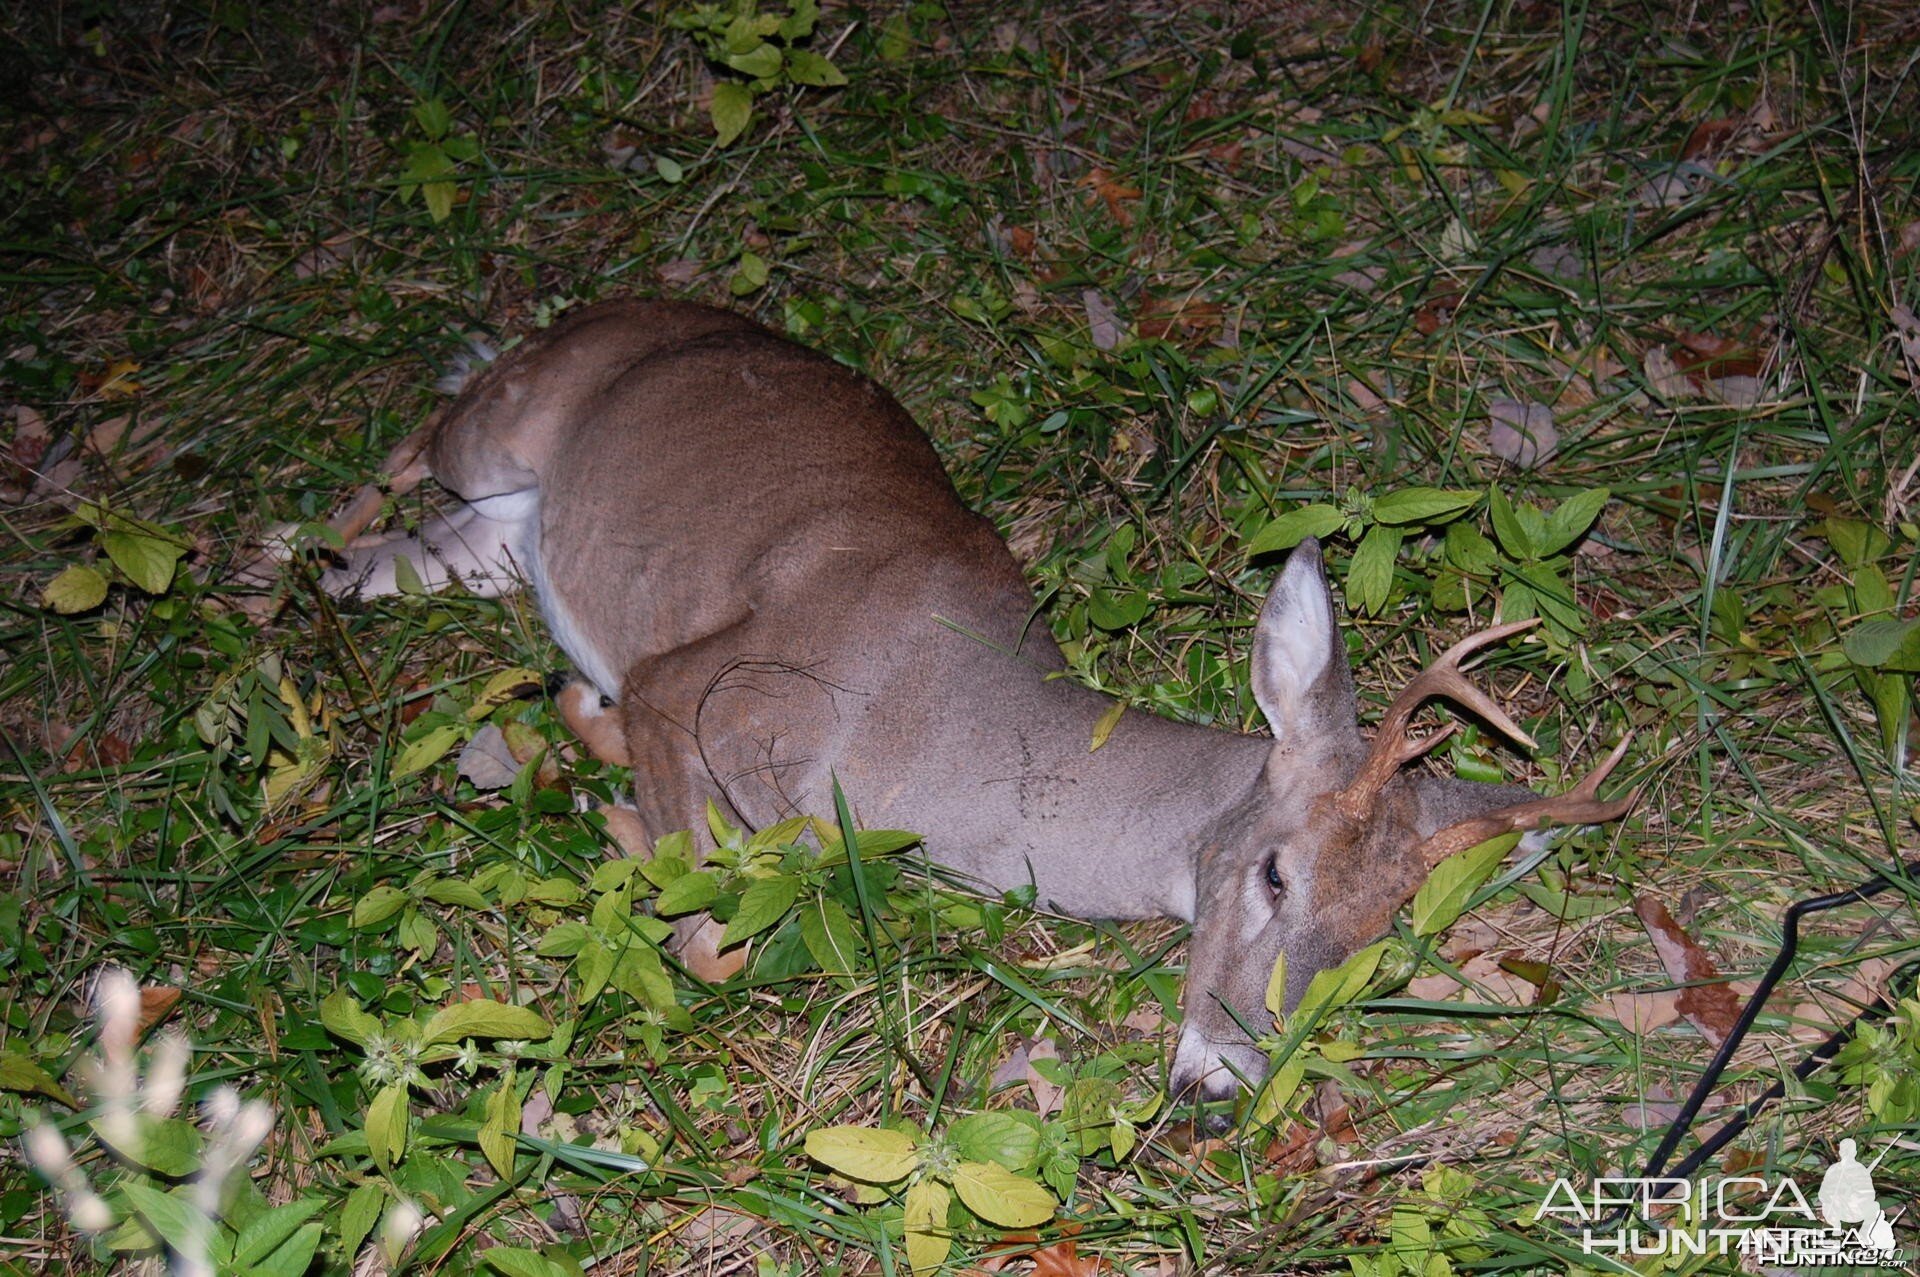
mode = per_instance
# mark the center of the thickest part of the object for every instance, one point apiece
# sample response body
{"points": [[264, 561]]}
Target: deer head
{"points": [[1339, 833]]}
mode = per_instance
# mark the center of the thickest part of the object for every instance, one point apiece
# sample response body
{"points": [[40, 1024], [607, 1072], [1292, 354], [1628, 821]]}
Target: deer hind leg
{"points": [[487, 545]]}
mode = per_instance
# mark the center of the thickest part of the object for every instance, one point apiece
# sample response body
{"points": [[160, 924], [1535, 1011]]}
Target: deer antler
{"points": [[1581, 805], [1393, 748]]}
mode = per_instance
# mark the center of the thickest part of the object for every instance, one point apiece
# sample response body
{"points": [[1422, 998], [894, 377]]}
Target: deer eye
{"points": [[1274, 882]]}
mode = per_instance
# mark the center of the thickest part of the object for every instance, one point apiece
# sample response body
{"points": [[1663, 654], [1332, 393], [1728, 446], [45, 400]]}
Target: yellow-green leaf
{"points": [[592, 968], [731, 110], [483, 1018], [77, 589], [387, 1126], [342, 1016], [1295, 526], [804, 66], [1109, 720], [148, 560], [1341, 984], [873, 1154], [1279, 1091], [501, 1128], [926, 1224], [1442, 898], [377, 906], [19, 1072], [998, 1196], [429, 748], [501, 688], [764, 903]]}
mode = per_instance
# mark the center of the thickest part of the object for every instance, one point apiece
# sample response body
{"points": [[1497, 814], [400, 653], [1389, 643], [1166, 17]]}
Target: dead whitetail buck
{"points": [[755, 555]]}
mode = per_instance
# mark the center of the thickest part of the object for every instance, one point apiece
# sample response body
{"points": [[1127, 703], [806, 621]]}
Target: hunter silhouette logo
{"points": [[1765, 1218], [1847, 1200]]}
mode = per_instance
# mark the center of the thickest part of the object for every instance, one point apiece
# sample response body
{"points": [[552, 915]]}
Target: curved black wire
{"points": [[1790, 943]]}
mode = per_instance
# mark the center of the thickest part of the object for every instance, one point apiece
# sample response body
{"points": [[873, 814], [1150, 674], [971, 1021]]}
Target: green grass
{"points": [[1334, 240]]}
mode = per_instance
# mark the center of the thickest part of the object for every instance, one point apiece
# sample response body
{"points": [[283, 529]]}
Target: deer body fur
{"points": [[756, 555]]}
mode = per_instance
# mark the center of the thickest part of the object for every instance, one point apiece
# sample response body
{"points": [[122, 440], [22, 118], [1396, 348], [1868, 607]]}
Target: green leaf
{"points": [[1088, 1109], [452, 891], [762, 62], [500, 1129], [871, 843], [875, 1155], [563, 940], [359, 1215], [830, 936], [1507, 527], [1422, 505], [427, 749], [20, 1072], [688, 892], [750, 275], [799, 23], [164, 1145], [764, 903], [807, 67], [1117, 609], [387, 1126], [1280, 1089], [1276, 999], [377, 906], [925, 1221], [1883, 644], [518, 1261], [592, 968], [1008, 1139], [1295, 526], [147, 560], [433, 118], [342, 1016], [174, 1218], [265, 1232], [1871, 592], [292, 1258], [1571, 519], [1370, 574], [416, 931], [1442, 898], [1000, 1197], [1468, 549], [78, 588], [1337, 986], [439, 199], [484, 1018], [731, 111], [639, 973]]}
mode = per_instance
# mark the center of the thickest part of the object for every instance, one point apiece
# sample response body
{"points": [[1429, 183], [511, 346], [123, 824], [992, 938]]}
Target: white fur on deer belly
{"points": [[588, 661]]}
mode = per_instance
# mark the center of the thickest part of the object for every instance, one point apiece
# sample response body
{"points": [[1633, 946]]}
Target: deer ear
{"points": [[1300, 676]]}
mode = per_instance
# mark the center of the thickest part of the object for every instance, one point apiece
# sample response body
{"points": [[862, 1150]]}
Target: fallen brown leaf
{"points": [[1163, 317], [1710, 1007], [1645, 1012], [157, 1002], [1115, 194]]}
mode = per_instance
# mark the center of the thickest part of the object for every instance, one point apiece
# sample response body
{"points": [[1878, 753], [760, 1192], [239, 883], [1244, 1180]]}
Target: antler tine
{"points": [[1581, 805], [1393, 749]]}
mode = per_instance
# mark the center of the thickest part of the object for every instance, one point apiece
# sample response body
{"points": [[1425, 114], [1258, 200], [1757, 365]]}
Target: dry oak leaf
{"points": [[1709, 1002], [1644, 1012], [1112, 192], [1162, 317]]}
